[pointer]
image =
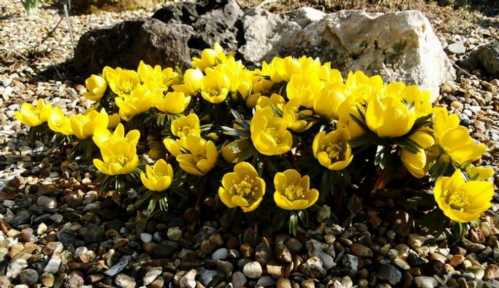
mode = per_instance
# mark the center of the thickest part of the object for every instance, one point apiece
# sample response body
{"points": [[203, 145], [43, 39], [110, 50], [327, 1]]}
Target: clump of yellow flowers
{"points": [[278, 134]]}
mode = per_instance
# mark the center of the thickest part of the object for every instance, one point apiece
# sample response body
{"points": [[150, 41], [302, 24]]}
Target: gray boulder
{"points": [[400, 46]]}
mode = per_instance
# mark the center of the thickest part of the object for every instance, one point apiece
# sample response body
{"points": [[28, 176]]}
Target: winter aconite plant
{"points": [[276, 139]]}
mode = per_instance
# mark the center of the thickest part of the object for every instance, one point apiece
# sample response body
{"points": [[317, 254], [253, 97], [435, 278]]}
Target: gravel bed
{"points": [[56, 230]]}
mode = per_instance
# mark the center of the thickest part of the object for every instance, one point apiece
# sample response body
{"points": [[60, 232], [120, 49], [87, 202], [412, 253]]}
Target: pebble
{"points": [[48, 279], [188, 280], [47, 203], [401, 263], [238, 279], [457, 48], [350, 263], [456, 260], [313, 267], [324, 213], [389, 273], [274, 270], [220, 254], [74, 281], [42, 228], [145, 237], [314, 248], [207, 276], [15, 267], [492, 272], [151, 275], [253, 270], [294, 245], [28, 276], [309, 283], [124, 281], [361, 250], [425, 282], [265, 281], [53, 264], [416, 241], [283, 283]]}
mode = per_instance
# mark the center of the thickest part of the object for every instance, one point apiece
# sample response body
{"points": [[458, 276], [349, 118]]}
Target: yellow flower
{"points": [[280, 69], [114, 120], [194, 154], [332, 149], [303, 88], [84, 125], [96, 87], [460, 200], [481, 173], [58, 122], [415, 161], [242, 188], [193, 82], [158, 177], [269, 134], [216, 85], [186, 125], [329, 100], [121, 81], [296, 118], [34, 114], [454, 139], [119, 152], [172, 102], [292, 191], [138, 101], [387, 113], [156, 77], [209, 57]]}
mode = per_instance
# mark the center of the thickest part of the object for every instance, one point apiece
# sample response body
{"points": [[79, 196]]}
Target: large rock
{"points": [[485, 57], [127, 43], [400, 46]]}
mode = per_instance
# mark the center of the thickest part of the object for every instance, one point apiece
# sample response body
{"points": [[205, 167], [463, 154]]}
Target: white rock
{"points": [[399, 45], [152, 274], [425, 282], [145, 237], [53, 264], [188, 280], [252, 270]]}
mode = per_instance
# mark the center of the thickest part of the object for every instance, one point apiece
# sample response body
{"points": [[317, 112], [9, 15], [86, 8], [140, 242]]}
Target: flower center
{"points": [[457, 201], [335, 151], [247, 188], [294, 192]]}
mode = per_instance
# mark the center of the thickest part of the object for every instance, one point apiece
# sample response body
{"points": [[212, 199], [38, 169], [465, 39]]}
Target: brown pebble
{"points": [[456, 260]]}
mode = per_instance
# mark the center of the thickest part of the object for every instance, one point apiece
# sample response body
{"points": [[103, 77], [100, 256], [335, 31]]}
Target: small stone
{"points": [[283, 254], [425, 282], [314, 248], [224, 266], [456, 260], [313, 267], [48, 279], [350, 263], [389, 273], [85, 255], [42, 228], [346, 282], [294, 245], [220, 254], [309, 283], [263, 252], [361, 250], [265, 281], [415, 260], [401, 263], [16, 267], [188, 280], [438, 257], [492, 272], [238, 280], [207, 276], [283, 283], [53, 264], [74, 281], [246, 250], [151, 275], [457, 48], [124, 281], [29, 276], [47, 203], [416, 241], [27, 235], [253, 270], [145, 237], [274, 270]]}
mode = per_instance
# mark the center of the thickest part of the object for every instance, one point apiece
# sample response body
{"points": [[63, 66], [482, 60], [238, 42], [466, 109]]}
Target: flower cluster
{"points": [[248, 128]]}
